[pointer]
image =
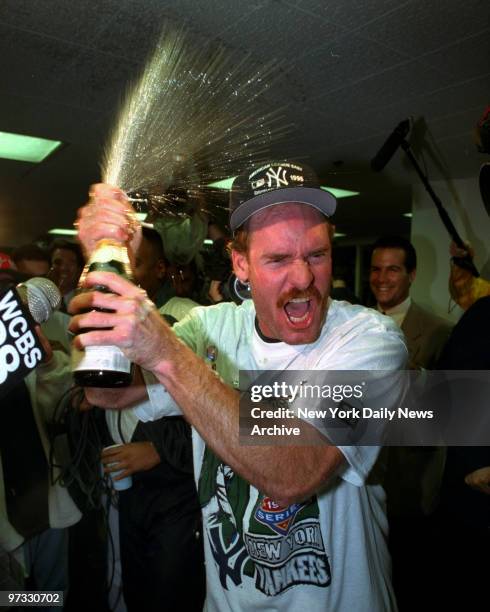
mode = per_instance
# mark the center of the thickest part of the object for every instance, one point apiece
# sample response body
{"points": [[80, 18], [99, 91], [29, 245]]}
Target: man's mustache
{"points": [[310, 293]]}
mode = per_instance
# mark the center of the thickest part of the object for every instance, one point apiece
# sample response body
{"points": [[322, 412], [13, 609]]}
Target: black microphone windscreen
{"points": [[389, 148]]}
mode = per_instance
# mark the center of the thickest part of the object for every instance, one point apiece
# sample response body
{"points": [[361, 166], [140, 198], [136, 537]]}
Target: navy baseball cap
{"points": [[277, 183]]}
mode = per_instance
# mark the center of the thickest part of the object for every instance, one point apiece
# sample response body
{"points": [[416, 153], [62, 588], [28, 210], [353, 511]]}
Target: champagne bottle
{"points": [[104, 366]]}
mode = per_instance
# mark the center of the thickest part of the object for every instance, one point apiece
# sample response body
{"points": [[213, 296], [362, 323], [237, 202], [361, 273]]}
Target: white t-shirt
{"points": [[328, 553]]}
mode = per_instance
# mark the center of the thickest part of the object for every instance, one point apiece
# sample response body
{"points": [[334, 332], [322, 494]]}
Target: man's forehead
{"points": [[61, 252], [389, 253]]}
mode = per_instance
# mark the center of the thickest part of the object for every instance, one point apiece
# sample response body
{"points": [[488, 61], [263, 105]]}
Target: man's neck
{"points": [[261, 335], [398, 312]]}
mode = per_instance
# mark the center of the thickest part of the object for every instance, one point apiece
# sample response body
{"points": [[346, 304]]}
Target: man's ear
{"points": [[240, 265], [412, 275]]}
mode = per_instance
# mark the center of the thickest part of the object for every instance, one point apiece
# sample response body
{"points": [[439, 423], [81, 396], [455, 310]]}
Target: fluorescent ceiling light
{"points": [[208, 241], [339, 235], [26, 148], [61, 231], [409, 215], [338, 193], [224, 184]]}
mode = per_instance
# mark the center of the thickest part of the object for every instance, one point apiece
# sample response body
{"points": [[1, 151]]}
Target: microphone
{"points": [[389, 148], [41, 296], [21, 350], [383, 156]]}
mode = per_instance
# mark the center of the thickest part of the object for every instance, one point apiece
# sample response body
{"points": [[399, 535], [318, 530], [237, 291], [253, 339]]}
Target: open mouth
{"points": [[298, 310]]}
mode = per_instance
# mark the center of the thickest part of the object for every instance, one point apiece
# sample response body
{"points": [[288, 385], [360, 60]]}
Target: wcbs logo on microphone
{"points": [[20, 348]]}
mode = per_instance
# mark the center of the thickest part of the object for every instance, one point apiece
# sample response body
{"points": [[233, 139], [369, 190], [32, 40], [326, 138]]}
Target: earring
{"points": [[245, 284]]}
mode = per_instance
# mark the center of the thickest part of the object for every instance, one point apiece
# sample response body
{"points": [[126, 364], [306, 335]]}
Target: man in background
{"points": [[66, 266], [393, 270], [31, 260], [150, 268]]}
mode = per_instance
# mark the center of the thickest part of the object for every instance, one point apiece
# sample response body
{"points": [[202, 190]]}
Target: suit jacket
{"points": [[426, 336]]}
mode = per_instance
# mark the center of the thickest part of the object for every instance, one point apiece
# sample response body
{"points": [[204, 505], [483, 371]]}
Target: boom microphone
{"points": [[389, 148], [383, 156]]}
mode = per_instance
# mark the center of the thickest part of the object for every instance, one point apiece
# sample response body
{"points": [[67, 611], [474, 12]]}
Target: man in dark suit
{"points": [[414, 474]]}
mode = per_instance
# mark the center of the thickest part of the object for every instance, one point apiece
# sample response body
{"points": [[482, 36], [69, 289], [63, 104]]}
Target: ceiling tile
{"points": [[395, 86], [99, 85], [59, 19], [419, 27], [37, 61], [131, 34], [277, 31], [346, 60], [465, 59], [348, 14]]}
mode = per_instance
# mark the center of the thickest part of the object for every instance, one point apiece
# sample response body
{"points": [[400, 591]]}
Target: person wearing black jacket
{"points": [[462, 521]]}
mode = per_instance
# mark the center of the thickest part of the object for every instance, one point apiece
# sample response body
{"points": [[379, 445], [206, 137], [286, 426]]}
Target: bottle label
{"points": [[109, 358]]}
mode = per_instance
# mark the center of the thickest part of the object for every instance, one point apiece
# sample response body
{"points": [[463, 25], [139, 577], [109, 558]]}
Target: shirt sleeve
{"points": [[378, 347], [359, 462], [160, 403]]}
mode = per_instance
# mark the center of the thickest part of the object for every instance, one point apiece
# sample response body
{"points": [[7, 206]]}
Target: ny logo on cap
{"points": [[275, 176], [279, 176]]}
